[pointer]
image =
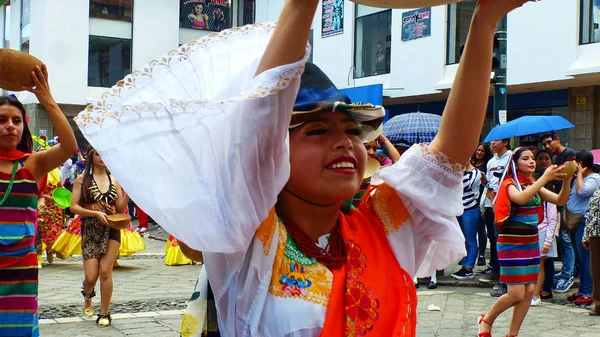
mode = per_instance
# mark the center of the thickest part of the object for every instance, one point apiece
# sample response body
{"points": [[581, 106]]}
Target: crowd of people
{"points": [[513, 196], [266, 208]]}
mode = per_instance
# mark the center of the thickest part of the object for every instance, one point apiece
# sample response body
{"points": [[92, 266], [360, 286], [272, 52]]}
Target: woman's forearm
{"points": [[288, 43], [469, 95], [83, 212]]}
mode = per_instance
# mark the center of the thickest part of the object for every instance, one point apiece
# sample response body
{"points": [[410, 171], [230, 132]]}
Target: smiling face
{"points": [[198, 9], [480, 153], [11, 127], [526, 163], [327, 159]]}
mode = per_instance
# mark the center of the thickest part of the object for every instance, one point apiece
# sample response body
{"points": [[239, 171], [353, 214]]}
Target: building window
{"points": [[109, 60], [247, 12], [112, 9], [310, 41], [212, 15], [25, 25], [459, 23], [6, 37], [373, 41], [590, 21]]}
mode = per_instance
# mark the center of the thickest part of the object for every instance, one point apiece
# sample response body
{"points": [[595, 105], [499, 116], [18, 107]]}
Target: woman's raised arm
{"points": [[288, 43], [465, 111]]}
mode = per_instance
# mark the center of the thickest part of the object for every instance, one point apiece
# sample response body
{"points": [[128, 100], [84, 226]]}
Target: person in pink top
{"points": [[546, 230]]}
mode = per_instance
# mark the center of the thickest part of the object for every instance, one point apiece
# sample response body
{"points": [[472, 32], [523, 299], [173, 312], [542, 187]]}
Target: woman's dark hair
{"points": [[487, 154], [26, 142], [87, 175], [586, 158]]}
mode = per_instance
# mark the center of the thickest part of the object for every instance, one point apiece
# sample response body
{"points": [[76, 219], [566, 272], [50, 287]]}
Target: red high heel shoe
{"points": [[481, 319]]}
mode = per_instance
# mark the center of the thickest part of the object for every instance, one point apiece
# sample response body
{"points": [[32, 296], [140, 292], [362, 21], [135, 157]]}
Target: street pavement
{"points": [[149, 300]]}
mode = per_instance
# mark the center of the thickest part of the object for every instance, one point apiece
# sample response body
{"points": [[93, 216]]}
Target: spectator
{"points": [[543, 160], [469, 221], [479, 160], [591, 241], [562, 154], [495, 168], [585, 185]]}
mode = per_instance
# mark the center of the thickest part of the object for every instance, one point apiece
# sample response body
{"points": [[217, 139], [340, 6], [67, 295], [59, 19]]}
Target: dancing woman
{"points": [[95, 194], [261, 198], [518, 213], [21, 180]]}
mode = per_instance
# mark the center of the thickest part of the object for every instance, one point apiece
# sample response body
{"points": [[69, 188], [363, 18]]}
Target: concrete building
{"points": [[553, 50]]}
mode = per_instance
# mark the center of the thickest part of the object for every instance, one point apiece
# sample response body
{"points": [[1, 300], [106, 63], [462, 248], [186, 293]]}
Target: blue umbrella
{"points": [[528, 125], [412, 128]]}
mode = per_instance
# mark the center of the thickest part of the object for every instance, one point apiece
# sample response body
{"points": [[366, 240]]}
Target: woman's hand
{"points": [[546, 249], [102, 217], [553, 172], [586, 245], [42, 88], [581, 171], [491, 195], [494, 10]]}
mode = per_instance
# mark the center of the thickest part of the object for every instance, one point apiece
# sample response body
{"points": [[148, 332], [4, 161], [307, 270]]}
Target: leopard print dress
{"points": [[95, 234]]}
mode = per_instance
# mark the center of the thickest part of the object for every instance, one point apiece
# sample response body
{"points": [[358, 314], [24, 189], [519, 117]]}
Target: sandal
{"points": [[480, 320], [104, 319], [88, 310]]}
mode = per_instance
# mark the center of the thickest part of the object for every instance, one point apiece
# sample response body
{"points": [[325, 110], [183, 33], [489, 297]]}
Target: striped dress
{"points": [[18, 260], [518, 244]]}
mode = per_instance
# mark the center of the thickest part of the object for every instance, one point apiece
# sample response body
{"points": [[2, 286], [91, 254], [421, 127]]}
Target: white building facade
{"points": [[553, 49]]}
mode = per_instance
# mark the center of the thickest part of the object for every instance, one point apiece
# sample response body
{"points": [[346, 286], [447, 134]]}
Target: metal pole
{"points": [[500, 76]]}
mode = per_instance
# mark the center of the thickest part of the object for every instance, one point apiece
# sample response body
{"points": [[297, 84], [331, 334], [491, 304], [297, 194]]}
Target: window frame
{"points": [[448, 24], [5, 34], [590, 21], [125, 73], [112, 16], [240, 13], [356, 18], [21, 27]]}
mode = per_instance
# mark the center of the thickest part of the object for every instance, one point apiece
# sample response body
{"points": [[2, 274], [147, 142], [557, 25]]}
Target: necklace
{"points": [[332, 256], [10, 184]]}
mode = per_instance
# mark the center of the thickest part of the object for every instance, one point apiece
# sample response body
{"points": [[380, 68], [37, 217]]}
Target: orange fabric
{"points": [[371, 294], [503, 204]]}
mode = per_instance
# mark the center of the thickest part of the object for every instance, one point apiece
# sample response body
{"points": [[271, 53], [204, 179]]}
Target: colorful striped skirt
{"points": [[518, 253], [19, 293]]}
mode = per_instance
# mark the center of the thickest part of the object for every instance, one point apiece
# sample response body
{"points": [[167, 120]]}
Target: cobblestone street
{"points": [[149, 300]]}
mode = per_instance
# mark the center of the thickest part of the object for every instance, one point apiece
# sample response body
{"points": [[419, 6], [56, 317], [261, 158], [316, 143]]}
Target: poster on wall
{"points": [[332, 22], [205, 14], [416, 24]]}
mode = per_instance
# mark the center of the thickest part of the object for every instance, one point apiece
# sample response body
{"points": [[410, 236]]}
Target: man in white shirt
{"points": [[495, 169]]}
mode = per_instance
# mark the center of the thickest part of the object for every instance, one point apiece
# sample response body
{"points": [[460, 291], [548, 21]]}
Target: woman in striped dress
{"points": [[518, 212], [21, 172]]}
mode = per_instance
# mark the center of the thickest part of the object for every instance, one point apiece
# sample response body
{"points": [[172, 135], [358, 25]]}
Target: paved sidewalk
{"points": [[459, 309], [142, 283]]}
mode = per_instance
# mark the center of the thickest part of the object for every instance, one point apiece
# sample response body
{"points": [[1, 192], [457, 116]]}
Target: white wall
{"points": [[335, 54], [15, 24], [155, 29], [417, 65], [543, 39], [543, 45], [59, 38]]}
